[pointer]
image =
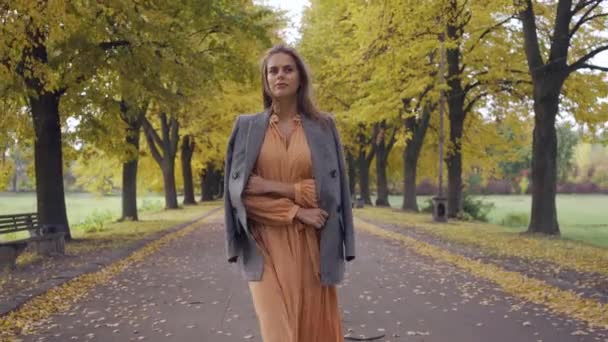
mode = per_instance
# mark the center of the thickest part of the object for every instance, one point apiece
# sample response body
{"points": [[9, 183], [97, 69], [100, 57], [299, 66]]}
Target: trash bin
{"points": [[440, 209]]}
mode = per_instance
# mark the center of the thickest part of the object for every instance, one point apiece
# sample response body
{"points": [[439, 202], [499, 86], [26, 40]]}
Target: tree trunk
{"points": [[129, 168], [187, 150], [543, 217], [352, 172], [454, 163], [168, 169], [363, 165], [383, 146], [210, 180], [168, 145], [15, 180], [48, 161], [381, 179], [411, 154], [548, 78], [201, 177], [455, 98], [129, 190]]}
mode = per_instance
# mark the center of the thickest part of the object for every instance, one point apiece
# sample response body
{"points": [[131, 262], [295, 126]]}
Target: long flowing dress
{"points": [[290, 302]]}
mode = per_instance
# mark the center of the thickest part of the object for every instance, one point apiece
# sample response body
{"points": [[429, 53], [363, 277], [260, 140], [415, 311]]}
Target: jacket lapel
{"points": [[317, 145], [256, 131]]}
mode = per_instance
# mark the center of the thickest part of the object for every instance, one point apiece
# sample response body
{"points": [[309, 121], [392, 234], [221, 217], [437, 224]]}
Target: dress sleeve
{"points": [[306, 194], [269, 210]]}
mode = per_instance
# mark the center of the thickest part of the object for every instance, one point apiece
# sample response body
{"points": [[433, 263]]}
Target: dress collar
{"points": [[275, 118]]}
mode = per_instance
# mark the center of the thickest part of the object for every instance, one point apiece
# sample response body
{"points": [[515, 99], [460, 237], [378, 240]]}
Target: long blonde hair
{"points": [[305, 103]]}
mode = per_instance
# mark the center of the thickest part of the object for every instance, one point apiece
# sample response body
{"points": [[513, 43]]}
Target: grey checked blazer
{"points": [[337, 236]]}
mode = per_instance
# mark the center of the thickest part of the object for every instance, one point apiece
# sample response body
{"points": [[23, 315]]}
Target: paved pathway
{"points": [[187, 292]]}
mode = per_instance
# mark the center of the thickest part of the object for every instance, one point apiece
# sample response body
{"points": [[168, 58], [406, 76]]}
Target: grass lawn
{"points": [[586, 256], [581, 217], [93, 219], [79, 205], [108, 234]]}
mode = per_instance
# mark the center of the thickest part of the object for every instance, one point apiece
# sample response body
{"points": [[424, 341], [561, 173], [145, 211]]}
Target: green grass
{"points": [[110, 234], [581, 217], [499, 240], [79, 205]]}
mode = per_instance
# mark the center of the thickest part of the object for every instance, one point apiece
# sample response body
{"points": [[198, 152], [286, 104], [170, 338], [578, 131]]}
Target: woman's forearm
{"points": [[286, 190]]}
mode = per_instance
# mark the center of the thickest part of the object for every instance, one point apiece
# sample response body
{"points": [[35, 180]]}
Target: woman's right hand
{"points": [[315, 217]]}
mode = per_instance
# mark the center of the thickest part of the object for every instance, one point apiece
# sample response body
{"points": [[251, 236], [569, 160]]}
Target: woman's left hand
{"points": [[257, 186]]}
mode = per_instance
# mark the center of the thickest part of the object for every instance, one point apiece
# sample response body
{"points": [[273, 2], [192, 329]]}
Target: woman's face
{"points": [[282, 75]]}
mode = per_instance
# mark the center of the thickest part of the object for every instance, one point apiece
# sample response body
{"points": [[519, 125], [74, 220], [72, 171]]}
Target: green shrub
{"points": [[151, 205], [515, 220], [96, 221], [427, 207], [475, 209]]}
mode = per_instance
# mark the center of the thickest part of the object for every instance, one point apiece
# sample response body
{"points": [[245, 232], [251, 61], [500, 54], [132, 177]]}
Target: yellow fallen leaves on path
{"points": [[58, 299], [532, 290], [499, 240]]}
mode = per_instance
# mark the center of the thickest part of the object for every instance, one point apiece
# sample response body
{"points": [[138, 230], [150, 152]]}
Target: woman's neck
{"points": [[285, 108]]}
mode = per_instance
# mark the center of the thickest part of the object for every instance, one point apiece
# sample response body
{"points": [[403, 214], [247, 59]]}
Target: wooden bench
{"points": [[46, 240]]}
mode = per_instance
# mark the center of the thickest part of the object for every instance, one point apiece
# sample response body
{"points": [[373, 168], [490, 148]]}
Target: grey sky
{"points": [[294, 8]]}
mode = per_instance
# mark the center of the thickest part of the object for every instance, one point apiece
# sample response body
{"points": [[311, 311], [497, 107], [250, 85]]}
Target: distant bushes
{"points": [[506, 187], [473, 208], [515, 220]]}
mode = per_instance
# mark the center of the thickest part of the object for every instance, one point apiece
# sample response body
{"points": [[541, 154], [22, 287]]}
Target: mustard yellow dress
{"points": [[290, 302]]}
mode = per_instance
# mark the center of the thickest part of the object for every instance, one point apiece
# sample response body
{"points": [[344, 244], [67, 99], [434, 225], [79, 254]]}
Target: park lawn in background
{"points": [[499, 240], [79, 205], [581, 217], [115, 235]]}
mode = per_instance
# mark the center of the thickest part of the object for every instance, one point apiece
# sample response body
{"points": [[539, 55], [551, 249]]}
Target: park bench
{"points": [[46, 240]]}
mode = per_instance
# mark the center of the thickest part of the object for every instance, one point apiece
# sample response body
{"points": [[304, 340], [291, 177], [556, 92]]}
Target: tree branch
{"points": [[585, 18], [392, 139], [531, 46], [561, 33], [149, 133], [471, 103], [593, 67], [174, 135], [473, 85], [153, 133], [582, 4], [490, 29], [583, 60]]}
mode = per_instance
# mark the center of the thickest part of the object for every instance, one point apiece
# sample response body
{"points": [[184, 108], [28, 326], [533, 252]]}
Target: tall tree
{"points": [[574, 40], [186, 152], [133, 116], [386, 136], [417, 125], [163, 147]]}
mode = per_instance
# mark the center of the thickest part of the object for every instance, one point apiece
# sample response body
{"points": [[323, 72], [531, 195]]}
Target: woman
{"points": [[287, 207]]}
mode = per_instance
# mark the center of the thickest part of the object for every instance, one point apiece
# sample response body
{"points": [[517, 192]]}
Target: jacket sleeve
{"points": [[347, 213], [230, 219]]}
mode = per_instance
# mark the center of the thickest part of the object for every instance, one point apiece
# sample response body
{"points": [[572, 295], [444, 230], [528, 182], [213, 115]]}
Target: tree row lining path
{"points": [[187, 292]]}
